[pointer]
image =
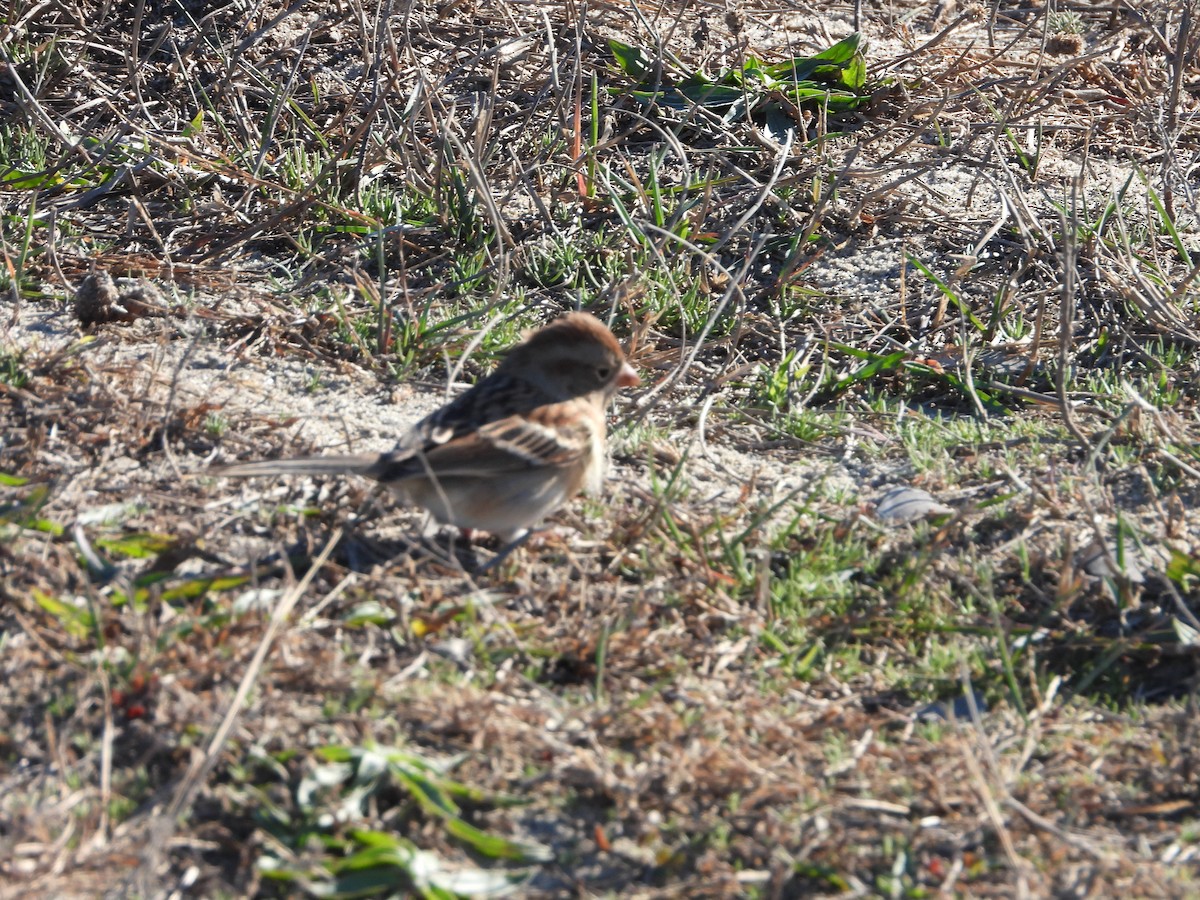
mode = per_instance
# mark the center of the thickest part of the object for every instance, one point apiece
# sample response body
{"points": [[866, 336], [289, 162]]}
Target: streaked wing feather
{"points": [[502, 448], [496, 397], [462, 436], [539, 444]]}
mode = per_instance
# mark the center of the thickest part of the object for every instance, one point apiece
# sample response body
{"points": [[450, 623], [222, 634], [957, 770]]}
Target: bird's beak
{"points": [[627, 377]]}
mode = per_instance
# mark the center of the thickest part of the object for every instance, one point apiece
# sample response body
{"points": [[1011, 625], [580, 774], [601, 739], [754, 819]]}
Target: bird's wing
{"points": [[496, 397], [547, 436]]}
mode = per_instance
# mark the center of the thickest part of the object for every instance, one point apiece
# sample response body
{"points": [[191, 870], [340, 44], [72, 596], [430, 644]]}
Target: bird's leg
{"points": [[365, 507], [506, 551]]}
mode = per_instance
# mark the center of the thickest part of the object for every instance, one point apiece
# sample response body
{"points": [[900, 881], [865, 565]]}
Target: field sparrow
{"points": [[513, 448]]}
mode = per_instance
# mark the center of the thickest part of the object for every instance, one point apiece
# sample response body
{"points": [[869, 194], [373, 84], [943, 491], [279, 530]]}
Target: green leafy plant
{"points": [[834, 78], [338, 791]]}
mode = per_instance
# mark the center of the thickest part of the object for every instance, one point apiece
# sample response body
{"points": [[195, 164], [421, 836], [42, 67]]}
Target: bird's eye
{"points": [[603, 372]]}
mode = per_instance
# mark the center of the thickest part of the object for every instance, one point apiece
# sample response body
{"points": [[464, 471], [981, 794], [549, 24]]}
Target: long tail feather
{"points": [[357, 464]]}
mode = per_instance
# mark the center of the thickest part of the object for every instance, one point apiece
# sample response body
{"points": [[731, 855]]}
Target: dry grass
{"points": [[734, 675]]}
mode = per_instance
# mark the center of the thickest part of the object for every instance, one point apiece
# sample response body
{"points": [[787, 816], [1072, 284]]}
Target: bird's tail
{"points": [[355, 464]]}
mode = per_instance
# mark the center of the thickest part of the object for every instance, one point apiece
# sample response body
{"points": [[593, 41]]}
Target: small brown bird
{"points": [[512, 449]]}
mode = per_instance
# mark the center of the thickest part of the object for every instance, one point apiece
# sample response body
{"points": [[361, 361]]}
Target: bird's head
{"points": [[573, 356]]}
